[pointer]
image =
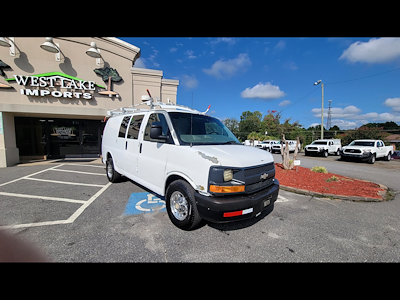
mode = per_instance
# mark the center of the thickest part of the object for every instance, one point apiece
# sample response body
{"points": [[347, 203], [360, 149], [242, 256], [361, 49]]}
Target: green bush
{"points": [[319, 170]]}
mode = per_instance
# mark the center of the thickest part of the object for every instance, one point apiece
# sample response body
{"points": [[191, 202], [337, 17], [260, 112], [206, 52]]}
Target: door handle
{"points": [[140, 148], [126, 145]]}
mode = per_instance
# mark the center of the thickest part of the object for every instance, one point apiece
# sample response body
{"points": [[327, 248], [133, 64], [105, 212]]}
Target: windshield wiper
{"points": [[229, 142]]}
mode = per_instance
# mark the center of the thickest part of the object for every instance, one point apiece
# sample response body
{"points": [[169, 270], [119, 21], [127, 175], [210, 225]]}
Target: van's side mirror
{"points": [[156, 133]]}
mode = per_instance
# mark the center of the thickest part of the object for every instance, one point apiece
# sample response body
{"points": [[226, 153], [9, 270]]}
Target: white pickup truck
{"points": [[366, 150], [323, 147], [276, 147]]}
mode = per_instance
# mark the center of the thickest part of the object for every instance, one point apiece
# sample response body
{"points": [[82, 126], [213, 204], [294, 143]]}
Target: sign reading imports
{"points": [[80, 87]]}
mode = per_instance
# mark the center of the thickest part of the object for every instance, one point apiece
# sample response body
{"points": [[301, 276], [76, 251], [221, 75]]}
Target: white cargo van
{"points": [[192, 159]]}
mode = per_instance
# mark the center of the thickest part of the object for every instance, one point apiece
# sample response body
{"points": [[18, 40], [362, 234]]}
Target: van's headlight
{"points": [[228, 175]]}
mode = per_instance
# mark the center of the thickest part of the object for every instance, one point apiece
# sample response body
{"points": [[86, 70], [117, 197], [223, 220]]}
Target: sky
{"points": [[361, 76]]}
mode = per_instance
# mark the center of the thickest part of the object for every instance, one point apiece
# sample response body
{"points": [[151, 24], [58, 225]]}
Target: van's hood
{"points": [[239, 156]]}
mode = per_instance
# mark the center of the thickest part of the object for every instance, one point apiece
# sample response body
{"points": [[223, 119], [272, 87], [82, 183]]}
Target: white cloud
{"points": [[189, 81], [394, 103], [381, 50], [344, 124], [226, 69], [348, 112], [285, 103], [281, 45], [351, 117], [190, 53], [229, 41], [140, 63], [290, 65], [173, 49], [263, 91]]}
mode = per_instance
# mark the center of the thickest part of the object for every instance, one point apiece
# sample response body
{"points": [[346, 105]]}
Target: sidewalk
{"points": [[82, 160]]}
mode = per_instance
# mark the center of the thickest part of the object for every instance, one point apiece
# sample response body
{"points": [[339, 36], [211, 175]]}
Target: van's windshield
{"points": [[201, 130]]}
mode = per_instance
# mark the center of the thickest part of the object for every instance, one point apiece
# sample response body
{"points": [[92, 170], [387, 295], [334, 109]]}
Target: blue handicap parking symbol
{"points": [[140, 203]]}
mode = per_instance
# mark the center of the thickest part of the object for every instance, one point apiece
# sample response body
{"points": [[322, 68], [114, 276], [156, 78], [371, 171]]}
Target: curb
{"points": [[381, 194]]}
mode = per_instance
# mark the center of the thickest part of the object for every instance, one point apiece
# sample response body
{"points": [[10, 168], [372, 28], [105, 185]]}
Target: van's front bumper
{"points": [[220, 209]]}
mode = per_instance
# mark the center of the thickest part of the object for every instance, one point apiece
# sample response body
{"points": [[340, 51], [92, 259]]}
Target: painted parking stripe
{"points": [[139, 203], [42, 197], [65, 182], [281, 199], [73, 217], [33, 174], [70, 171]]}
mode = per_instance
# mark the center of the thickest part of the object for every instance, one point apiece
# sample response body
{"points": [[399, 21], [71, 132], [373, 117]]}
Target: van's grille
{"points": [[258, 185], [258, 170], [254, 182]]}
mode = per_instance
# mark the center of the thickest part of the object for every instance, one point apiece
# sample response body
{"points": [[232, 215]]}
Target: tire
{"points": [[337, 153], [112, 175], [372, 159], [181, 205], [325, 153], [388, 157]]}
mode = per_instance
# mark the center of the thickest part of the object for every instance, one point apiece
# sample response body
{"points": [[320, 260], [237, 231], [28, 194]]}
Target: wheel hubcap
{"points": [[179, 206], [109, 170]]}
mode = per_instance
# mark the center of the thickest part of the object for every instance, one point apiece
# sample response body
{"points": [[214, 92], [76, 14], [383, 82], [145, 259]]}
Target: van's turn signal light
{"points": [[227, 189]]}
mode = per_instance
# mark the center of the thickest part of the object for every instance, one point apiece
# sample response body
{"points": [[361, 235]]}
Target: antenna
{"points": [[191, 123], [328, 123]]}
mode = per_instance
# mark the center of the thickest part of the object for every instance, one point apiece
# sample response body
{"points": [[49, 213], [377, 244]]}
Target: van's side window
{"points": [[134, 126], [157, 119], [124, 125]]}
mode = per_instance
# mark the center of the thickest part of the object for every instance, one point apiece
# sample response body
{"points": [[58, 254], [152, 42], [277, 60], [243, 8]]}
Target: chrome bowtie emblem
{"points": [[264, 176]]}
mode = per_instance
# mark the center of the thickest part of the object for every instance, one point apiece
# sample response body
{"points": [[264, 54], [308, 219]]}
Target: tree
{"points": [[232, 124], [364, 132], [108, 74], [286, 162], [249, 122]]}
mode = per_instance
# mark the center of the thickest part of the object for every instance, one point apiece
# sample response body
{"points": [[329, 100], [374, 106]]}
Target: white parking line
{"points": [[24, 177], [64, 182], [281, 199], [42, 197], [62, 170], [103, 167], [75, 215]]}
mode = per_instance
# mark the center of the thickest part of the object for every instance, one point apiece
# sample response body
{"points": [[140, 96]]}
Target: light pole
{"points": [[322, 107]]}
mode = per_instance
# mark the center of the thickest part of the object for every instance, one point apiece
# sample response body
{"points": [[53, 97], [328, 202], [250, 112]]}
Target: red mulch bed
{"points": [[306, 179]]}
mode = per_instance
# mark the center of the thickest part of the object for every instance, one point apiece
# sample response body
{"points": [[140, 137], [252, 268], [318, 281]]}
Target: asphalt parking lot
{"points": [[70, 211]]}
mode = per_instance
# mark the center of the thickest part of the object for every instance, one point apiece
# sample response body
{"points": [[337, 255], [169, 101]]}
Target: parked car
{"points": [[396, 154], [366, 150], [193, 160], [267, 145], [276, 147], [323, 147]]}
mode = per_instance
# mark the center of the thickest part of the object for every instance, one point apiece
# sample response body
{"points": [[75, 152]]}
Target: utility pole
{"points": [[328, 123], [322, 107]]}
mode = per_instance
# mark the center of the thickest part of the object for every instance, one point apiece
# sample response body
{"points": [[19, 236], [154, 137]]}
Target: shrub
{"points": [[333, 178], [319, 170]]}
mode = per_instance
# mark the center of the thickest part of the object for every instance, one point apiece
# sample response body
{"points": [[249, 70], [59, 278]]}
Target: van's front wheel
{"points": [[181, 205]]}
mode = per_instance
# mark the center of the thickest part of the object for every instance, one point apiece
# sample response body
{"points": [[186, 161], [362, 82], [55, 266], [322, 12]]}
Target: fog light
{"points": [[228, 175]]}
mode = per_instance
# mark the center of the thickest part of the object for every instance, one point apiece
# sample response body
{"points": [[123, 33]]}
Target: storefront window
{"points": [[58, 137]]}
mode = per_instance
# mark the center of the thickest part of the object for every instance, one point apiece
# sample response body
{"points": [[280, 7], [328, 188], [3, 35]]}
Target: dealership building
{"points": [[55, 93]]}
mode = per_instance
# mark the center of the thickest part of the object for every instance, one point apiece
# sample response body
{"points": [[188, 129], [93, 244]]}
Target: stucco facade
{"points": [[53, 104]]}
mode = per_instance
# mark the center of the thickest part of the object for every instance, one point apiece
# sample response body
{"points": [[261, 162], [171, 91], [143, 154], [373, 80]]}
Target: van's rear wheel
{"points": [[112, 175], [181, 205]]}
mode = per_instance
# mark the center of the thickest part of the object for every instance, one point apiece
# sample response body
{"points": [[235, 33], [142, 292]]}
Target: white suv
{"points": [[193, 160]]}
